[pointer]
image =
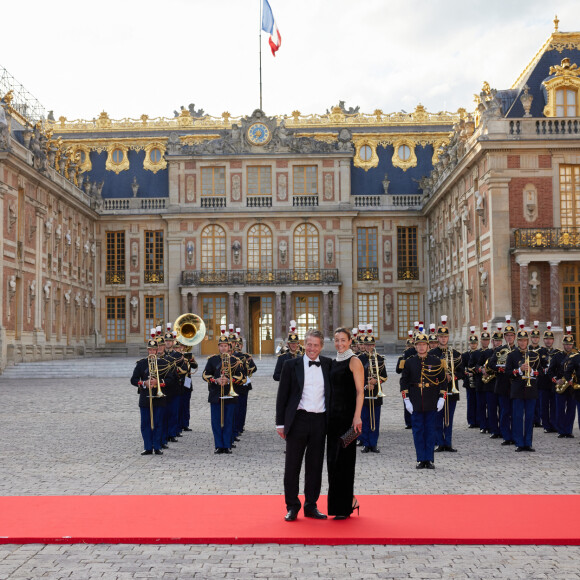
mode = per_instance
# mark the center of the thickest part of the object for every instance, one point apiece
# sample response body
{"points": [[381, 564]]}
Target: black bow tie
{"points": [[313, 362]]}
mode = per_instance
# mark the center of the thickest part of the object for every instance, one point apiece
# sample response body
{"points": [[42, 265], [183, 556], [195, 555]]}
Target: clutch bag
{"points": [[348, 437]]}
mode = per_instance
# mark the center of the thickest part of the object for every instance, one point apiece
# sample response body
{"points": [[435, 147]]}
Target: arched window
{"points": [[306, 252], [260, 248], [213, 248]]}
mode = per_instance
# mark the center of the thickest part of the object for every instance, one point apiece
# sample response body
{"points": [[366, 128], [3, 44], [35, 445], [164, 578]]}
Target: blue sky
{"points": [[131, 57]]}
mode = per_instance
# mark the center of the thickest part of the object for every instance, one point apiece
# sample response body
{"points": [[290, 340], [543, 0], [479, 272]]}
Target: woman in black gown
{"points": [[346, 401]]}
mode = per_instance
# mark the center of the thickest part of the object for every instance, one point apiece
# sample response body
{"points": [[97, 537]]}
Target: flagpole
{"points": [[260, 43]]}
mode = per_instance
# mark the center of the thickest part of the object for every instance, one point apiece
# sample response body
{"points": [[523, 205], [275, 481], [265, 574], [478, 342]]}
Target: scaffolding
{"points": [[22, 101]]}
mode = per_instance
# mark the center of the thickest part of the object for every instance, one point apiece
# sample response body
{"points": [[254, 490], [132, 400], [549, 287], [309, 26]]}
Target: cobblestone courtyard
{"points": [[70, 436]]}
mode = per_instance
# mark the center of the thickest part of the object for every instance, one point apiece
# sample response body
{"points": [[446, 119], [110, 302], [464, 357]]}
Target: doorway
{"points": [[261, 315]]}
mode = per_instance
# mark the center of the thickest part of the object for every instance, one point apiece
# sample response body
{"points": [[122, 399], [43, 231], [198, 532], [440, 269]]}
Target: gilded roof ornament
{"points": [[565, 68], [556, 22]]}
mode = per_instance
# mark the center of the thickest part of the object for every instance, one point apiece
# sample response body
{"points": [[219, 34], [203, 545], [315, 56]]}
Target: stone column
{"points": [[184, 300], [347, 272], [524, 293], [554, 294], [194, 305], [242, 315], [325, 313], [231, 318], [278, 317], [335, 309], [289, 309], [173, 273]]}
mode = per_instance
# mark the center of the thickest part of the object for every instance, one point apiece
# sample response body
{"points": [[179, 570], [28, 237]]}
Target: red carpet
{"points": [[387, 519]]}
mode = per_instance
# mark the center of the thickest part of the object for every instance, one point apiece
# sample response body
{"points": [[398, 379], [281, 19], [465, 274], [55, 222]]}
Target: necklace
{"points": [[340, 356]]}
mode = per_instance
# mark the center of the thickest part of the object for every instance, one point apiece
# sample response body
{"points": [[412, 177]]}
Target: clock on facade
{"points": [[258, 134]]}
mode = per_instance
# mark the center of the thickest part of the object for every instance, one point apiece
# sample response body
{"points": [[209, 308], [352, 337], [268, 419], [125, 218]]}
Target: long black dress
{"points": [[340, 461]]}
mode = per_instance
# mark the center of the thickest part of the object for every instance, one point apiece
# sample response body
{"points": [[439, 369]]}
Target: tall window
{"points": [[368, 311], [306, 247], [566, 102], [154, 313], [305, 180], [407, 266], [569, 195], [407, 312], [259, 180], [116, 328], [213, 248], [260, 248], [213, 181], [154, 257], [306, 313], [115, 273], [367, 254]]}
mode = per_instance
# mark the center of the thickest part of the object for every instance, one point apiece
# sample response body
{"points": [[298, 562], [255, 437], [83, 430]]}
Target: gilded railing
{"points": [[367, 274], [115, 277], [408, 273], [154, 277], [563, 238], [259, 277]]}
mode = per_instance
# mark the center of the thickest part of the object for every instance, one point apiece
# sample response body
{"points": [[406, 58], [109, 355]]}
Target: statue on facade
{"points": [[4, 129]]}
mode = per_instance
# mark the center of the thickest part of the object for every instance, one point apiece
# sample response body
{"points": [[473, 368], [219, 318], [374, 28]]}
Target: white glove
{"points": [[408, 405], [440, 403]]}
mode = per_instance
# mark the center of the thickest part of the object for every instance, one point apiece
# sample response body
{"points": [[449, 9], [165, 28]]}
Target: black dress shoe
{"points": [[429, 465], [158, 452], [236, 438], [472, 426], [569, 436], [528, 448], [375, 449], [173, 440], [420, 465], [449, 448], [537, 424], [147, 452], [440, 448], [227, 451], [341, 517], [165, 446], [186, 429], [314, 513], [179, 435], [365, 449], [232, 446], [483, 431], [518, 449], [408, 426], [291, 515], [359, 443], [495, 436], [507, 443], [218, 451], [549, 430]]}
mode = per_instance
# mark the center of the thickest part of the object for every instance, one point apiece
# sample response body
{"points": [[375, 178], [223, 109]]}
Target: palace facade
{"points": [[110, 227]]}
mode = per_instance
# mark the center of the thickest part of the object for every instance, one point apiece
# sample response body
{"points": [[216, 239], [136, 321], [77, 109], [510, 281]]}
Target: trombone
{"points": [[374, 374], [153, 374], [226, 371]]}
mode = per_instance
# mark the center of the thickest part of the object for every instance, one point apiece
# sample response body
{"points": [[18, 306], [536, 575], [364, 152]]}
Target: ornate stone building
{"points": [[110, 227]]}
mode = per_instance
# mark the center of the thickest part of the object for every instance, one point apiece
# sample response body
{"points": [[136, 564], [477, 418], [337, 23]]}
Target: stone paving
{"points": [[70, 436]]}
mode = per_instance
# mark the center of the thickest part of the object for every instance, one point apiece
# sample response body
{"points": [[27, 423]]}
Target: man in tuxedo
{"points": [[301, 404]]}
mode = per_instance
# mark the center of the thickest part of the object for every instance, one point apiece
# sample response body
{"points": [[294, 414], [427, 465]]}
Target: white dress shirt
{"points": [[313, 393]]}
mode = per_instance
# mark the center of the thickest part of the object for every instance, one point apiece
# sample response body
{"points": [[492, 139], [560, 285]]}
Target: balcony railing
{"points": [[364, 274], [154, 277], [213, 202], [259, 277], [561, 238], [134, 203], [112, 276], [368, 200], [259, 201], [408, 273], [305, 200]]}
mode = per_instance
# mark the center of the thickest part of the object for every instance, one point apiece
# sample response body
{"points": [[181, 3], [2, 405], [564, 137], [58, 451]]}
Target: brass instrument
{"points": [[190, 329], [153, 374], [451, 366], [562, 386], [374, 374], [527, 376]]}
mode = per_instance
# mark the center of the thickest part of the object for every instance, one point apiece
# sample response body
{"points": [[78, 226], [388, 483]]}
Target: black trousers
{"points": [[306, 438]]}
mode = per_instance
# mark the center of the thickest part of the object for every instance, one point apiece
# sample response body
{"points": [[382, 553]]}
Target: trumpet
{"points": [[374, 374], [451, 367], [527, 376]]}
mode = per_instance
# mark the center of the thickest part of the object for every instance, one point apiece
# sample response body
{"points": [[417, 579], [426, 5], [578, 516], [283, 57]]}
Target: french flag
{"points": [[269, 26]]}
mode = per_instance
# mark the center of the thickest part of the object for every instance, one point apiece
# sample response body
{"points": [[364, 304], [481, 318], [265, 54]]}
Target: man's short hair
{"points": [[313, 332]]}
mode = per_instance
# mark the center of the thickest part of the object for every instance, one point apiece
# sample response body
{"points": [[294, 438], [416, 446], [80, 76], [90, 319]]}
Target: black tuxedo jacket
{"points": [[291, 387]]}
